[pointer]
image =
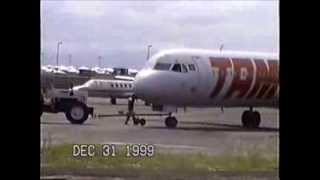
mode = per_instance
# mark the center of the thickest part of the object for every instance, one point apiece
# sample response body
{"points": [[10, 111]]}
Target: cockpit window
{"points": [[176, 68], [180, 68], [184, 68], [162, 66], [191, 67]]}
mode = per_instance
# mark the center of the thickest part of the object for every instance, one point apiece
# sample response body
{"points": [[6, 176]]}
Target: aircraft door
{"points": [[191, 79], [200, 78], [185, 83], [194, 73]]}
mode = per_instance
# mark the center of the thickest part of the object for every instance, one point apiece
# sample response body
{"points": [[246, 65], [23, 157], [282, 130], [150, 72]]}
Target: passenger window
{"points": [[191, 67], [112, 85], [184, 68], [129, 85], [176, 68], [125, 85], [121, 85], [116, 85]]}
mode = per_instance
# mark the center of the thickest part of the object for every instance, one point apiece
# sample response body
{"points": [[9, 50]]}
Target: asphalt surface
{"points": [[205, 130], [198, 128]]}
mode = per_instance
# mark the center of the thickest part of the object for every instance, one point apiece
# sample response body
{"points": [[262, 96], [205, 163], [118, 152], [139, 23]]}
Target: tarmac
{"points": [[206, 130], [198, 128]]}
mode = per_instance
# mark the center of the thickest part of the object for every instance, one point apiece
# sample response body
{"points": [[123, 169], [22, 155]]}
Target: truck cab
{"points": [[72, 103]]}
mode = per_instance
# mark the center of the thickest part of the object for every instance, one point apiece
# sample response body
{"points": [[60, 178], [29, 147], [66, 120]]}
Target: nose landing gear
{"points": [[251, 119], [171, 121]]}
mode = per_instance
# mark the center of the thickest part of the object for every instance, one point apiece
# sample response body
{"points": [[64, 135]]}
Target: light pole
{"points": [[70, 60], [221, 47], [99, 61], [148, 55], [58, 45]]}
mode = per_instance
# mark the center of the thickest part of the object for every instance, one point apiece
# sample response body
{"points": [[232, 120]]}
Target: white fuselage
{"points": [[190, 77], [107, 88]]}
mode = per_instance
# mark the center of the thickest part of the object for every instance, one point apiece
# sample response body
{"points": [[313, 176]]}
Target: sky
{"points": [[120, 31]]}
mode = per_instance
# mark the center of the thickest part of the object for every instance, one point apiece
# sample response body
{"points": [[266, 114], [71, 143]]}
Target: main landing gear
{"points": [[171, 121], [251, 119]]}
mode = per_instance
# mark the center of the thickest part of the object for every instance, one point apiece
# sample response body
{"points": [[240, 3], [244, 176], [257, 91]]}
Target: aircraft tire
{"points": [[113, 101], [256, 119], [171, 122], [251, 119], [77, 113], [245, 119]]}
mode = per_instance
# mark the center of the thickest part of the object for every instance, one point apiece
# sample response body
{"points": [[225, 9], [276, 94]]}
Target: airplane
{"points": [[209, 78], [112, 88], [96, 87]]}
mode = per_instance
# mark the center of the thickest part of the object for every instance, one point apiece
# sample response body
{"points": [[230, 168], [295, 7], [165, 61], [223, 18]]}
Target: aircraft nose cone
{"points": [[139, 87], [143, 85]]}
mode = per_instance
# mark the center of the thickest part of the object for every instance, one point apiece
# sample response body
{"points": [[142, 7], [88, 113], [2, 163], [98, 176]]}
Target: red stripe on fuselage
{"points": [[265, 84], [261, 78], [273, 78], [271, 93], [242, 79], [222, 64], [263, 90], [267, 79]]}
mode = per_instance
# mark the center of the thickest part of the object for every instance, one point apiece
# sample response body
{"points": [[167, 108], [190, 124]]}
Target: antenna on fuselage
{"points": [[221, 47]]}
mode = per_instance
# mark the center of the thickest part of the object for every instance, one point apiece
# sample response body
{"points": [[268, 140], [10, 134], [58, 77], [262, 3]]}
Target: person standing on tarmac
{"points": [[130, 110]]}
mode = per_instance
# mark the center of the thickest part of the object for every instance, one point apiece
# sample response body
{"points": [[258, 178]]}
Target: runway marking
{"points": [[163, 145]]}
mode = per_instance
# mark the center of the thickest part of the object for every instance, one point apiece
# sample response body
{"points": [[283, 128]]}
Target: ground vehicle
{"points": [[72, 103]]}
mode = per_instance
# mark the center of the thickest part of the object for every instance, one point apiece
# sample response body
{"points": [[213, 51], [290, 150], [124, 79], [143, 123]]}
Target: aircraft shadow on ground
{"points": [[216, 127]]}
